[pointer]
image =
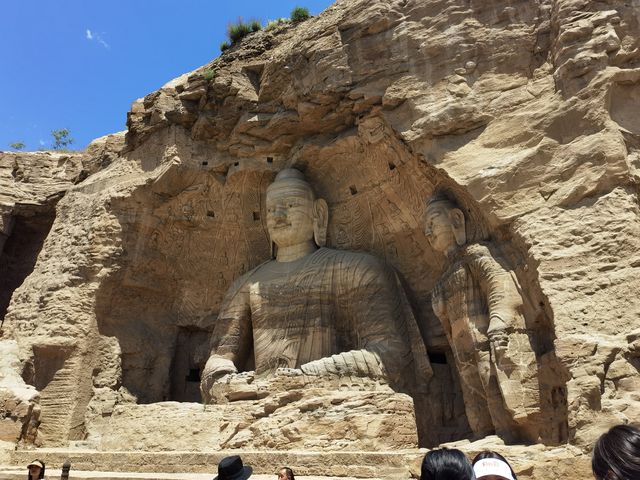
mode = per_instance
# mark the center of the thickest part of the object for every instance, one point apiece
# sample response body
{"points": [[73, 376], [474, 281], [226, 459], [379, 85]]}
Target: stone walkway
{"points": [[13, 473]]}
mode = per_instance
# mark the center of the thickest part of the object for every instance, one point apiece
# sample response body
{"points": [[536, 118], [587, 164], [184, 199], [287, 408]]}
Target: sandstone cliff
{"points": [[526, 109]]}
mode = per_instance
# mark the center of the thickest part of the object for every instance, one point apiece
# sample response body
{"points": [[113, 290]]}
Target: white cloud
{"points": [[41, 142], [95, 36], [103, 43]]}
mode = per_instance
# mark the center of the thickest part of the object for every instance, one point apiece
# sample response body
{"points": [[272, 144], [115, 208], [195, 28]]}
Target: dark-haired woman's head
{"points": [[35, 470], [285, 473], [616, 454], [490, 465], [446, 464]]}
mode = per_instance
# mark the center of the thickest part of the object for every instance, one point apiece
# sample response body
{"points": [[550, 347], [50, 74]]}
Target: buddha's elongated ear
{"points": [[320, 221], [457, 222]]}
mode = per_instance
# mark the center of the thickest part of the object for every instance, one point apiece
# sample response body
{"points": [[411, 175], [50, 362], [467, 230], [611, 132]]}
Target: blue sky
{"points": [[78, 64]]}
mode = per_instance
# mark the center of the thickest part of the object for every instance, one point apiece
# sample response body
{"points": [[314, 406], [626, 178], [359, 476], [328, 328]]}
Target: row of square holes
{"points": [[256, 215], [269, 160]]}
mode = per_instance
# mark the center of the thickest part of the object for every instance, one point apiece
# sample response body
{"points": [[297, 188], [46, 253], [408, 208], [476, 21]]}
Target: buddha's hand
{"points": [[215, 368], [498, 333], [357, 363]]}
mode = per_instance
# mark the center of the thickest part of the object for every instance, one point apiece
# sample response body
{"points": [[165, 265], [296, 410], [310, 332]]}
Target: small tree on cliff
{"points": [[61, 138], [17, 145]]}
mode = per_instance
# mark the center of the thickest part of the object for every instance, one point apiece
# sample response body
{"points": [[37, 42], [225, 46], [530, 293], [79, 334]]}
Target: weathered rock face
{"points": [[283, 412], [526, 111]]}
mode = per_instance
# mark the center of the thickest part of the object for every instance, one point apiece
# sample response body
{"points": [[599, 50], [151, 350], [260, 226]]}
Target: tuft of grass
{"points": [[271, 24], [237, 31], [255, 25], [225, 46], [299, 14], [209, 74]]}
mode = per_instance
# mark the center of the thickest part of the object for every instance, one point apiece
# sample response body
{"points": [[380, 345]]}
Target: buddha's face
{"points": [[440, 225], [289, 213]]}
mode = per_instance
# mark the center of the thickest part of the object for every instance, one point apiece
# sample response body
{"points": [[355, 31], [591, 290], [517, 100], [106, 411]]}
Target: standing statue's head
{"points": [[444, 225], [294, 215]]}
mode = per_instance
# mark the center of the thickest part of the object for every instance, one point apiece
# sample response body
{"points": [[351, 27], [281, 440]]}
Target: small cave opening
{"points": [[441, 415], [186, 368], [438, 358], [19, 251]]}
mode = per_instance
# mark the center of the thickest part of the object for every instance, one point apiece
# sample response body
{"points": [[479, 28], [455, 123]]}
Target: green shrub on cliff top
{"points": [[237, 31], [299, 14]]}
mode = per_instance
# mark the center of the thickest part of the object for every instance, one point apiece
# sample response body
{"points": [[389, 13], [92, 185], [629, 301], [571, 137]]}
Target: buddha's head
{"points": [[294, 214], [444, 225]]}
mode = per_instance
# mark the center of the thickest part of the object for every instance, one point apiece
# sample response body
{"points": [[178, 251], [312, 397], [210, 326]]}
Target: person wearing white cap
{"points": [[35, 470], [489, 465]]}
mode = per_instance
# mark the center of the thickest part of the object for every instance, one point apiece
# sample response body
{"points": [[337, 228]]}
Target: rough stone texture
{"points": [[19, 403], [277, 413], [527, 110]]}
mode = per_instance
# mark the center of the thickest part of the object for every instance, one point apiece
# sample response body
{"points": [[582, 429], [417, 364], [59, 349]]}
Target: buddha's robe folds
{"points": [[330, 312]]}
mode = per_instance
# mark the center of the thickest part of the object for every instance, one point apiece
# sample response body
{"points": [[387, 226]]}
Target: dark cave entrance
{"points": [[19, 251], [185, 368]]}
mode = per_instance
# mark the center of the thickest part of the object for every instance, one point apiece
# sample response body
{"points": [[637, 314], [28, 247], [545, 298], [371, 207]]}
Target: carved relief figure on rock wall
{"points": [[320, 311], [480, 307]]}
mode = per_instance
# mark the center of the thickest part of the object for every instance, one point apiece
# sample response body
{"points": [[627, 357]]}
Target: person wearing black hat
{"points": [[231, 468], [35, 470]]}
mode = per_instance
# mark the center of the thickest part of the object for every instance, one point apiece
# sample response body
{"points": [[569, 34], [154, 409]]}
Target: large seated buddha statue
{"points": [[318, 311]]}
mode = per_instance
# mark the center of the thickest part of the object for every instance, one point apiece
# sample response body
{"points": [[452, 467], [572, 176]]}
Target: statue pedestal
{"points": [[285, 411]]}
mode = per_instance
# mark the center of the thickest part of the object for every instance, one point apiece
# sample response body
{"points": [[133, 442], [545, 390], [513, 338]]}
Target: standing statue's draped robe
{"points": [[287, 314], [499, 383]]}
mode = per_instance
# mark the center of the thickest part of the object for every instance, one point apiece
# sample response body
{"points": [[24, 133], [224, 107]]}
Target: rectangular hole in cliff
{"points": [[204, 164], [392, 166], [235, 164], [211, 214], [256, 216], [19, 249], [436, 357], [47, 361], [184, 375], [269, 159], [353, 189]]}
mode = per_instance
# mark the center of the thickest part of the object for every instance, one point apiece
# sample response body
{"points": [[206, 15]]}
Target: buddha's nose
{"points": [[280, 214]]}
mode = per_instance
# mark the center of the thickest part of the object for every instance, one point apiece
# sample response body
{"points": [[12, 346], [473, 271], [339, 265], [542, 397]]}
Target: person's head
{"points": [[294, 215], [36, 469], [231, 468], [446, 464], [285, 473], [444, 225], [616, 454], [490, 465]]}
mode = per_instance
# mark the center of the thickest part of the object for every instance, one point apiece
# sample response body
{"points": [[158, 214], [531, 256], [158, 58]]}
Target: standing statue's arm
{"points": [[511, 352], [503, 297]]}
